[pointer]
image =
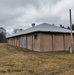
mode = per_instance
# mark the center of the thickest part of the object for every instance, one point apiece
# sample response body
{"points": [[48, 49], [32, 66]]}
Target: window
{"points": [[35, 36], [17, 38]]}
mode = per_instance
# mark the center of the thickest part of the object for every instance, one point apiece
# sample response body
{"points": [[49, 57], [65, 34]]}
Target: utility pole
{"points": [[71, 30]]}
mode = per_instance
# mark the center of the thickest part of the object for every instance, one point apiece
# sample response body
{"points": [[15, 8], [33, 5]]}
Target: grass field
{"points": [[19, 61]]}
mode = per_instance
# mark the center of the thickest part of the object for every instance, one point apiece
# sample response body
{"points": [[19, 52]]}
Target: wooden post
{"points": [[71, 30]]}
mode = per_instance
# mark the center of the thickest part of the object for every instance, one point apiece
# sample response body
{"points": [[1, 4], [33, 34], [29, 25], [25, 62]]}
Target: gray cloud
{"points": [[21, 13]]}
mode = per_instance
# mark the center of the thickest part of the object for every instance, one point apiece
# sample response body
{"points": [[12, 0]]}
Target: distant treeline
{"points": [[2, 35], [68, 27]]}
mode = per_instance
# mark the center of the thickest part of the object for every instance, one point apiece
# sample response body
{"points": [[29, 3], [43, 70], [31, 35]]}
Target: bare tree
{"points": [[17, 30]]}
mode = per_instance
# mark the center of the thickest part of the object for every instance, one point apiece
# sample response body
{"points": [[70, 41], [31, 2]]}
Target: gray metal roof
{"points": [[44, 27]]}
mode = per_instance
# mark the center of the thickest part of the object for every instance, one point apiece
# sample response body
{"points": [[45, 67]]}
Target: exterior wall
{"points": [[29, 42], [55, 42], [46, 42], [12, 41], [67, 41], [58, 42], [20, 39], [9, 41], [15, 41], [36, 42], [32, 43]]}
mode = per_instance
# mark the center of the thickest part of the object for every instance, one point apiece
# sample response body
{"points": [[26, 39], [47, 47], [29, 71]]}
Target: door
{"points": [[24, 41]]}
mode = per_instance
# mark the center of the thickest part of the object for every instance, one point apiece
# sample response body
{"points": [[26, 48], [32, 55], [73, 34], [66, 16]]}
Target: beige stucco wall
{"points": [[11, 41], [20, 39], [67, 41], [36, 42], [16, 41], [32, 43], [29, 41], [46, 42], [55, 42], [58, 42]]}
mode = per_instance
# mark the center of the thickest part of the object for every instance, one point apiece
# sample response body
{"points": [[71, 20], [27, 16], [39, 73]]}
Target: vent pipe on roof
{"points": [[53, 24], [33, 24]]}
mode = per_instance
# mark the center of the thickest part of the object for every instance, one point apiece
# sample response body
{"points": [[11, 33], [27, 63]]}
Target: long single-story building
{"points": [[43, 37]]}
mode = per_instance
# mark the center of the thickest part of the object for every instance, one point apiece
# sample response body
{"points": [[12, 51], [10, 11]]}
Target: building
{"points": [[42, 38]]}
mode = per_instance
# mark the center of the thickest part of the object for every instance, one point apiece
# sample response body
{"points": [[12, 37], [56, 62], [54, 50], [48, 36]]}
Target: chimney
{"points": [[33, 24]]}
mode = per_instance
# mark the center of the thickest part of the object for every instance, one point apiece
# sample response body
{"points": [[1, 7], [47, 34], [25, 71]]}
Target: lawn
{"points": [[19, 61]]}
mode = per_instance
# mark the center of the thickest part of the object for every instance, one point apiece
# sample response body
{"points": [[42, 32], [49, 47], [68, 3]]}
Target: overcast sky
{"points": [[21, 13]]}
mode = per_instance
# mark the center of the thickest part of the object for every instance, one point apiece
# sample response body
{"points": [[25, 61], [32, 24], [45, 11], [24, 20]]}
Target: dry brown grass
{"points": [[19, 61]]}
